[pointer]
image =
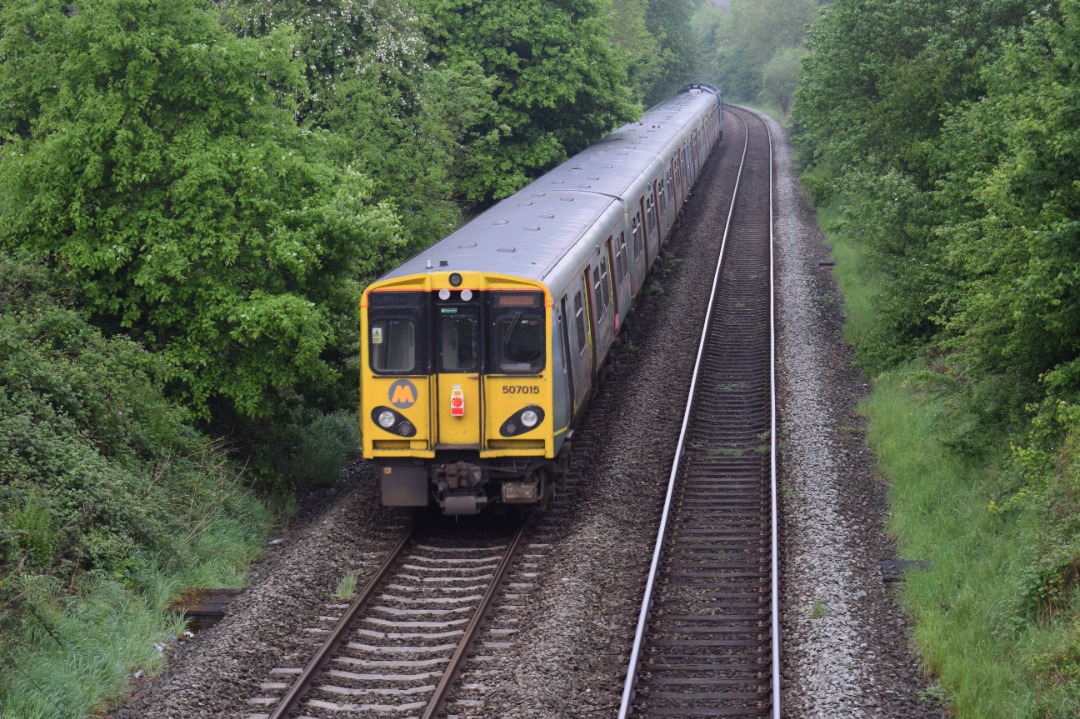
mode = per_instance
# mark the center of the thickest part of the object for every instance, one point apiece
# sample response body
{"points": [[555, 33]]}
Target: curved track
{"points": [[398, 647], [708, 635]]}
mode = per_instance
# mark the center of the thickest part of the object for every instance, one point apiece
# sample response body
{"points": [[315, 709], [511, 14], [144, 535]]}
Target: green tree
{"points": [[640, 49], [155, 157], [671, 22], [389, 114], [881, 75], [742, 40], [781, 77], [1012, 181], [880, 79], [554, 75]]}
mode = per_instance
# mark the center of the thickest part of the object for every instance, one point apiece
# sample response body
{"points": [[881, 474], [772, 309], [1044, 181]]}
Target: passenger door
{"points": [[459, 405]]}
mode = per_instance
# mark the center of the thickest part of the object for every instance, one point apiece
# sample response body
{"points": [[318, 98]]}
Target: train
{"points": [[480, 354]]}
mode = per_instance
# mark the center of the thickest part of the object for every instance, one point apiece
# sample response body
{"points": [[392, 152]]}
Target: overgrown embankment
{"points": [[943, 139], [111, 502]]}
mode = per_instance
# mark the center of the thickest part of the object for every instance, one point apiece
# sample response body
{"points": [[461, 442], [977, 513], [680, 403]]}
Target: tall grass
{"points": [[77, 653], [70, 650], [991, 657], [963, 601]]}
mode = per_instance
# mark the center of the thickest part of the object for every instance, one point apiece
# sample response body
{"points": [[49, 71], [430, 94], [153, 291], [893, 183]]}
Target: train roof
{"points": [[527, 233]]}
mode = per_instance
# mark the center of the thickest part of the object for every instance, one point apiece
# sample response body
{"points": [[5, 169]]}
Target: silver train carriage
{"points": [[481, 353]]}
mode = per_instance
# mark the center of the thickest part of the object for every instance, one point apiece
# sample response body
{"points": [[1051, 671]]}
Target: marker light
{"points": [[457, 401]]}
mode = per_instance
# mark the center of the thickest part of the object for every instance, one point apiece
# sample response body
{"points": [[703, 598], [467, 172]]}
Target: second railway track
{"points": [[707, 641]]}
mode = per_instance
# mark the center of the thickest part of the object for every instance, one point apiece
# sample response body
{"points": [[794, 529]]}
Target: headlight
{"points": [[386, 419], [524, 420]]}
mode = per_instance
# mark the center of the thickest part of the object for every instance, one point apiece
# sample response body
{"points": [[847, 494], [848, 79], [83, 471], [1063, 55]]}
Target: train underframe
{"points": [[461, 483]]}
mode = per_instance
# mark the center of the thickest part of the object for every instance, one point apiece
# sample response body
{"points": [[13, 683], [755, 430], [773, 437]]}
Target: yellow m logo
{"points": [[403, 394]]}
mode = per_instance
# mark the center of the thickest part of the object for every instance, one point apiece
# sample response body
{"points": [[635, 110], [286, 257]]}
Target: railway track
{"points": [[397, 649], [708, 634]]}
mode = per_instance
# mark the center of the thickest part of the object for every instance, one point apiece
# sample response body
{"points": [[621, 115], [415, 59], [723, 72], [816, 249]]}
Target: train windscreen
{"points": [[395, 342], [518, 339]]}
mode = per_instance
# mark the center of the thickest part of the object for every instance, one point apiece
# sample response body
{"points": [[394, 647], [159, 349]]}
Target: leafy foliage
{"points": [[1013, 160], [639, 48], [388, 113], [326, 444], [537, 59], [781, 77], [880, 79], [946, 133], [753, 45], [157, 159], [100, 471], [671, 22]]}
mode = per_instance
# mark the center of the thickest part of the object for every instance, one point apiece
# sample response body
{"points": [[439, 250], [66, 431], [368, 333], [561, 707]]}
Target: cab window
{"points": [[395, 343], [457, 343], [518, 339]]}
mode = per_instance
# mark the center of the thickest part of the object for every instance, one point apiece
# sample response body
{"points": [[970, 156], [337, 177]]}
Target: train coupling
{"points": [[460, 489]]}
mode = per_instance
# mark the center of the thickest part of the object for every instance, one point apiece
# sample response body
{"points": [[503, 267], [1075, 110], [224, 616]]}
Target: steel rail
{"points": [[774, 503], [465, 643], [646, 602], [314, 667]]}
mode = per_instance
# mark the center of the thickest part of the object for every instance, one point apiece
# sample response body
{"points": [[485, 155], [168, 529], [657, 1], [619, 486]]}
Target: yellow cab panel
{"points": [[395, 386], [517, 382], [456, 366]]}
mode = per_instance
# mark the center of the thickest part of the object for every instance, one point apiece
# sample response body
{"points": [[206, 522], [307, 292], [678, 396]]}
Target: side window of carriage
{"points": [[605, 282], [599, 306], [621, 262], [635, 230], [579, 321]]}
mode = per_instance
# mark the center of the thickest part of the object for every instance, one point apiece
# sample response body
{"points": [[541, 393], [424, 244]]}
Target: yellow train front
{"points": [[457, 396], [480, 354]]}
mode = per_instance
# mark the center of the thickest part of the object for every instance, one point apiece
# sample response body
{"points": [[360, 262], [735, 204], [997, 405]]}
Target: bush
{"points": [[325, 445], [105, 489]]}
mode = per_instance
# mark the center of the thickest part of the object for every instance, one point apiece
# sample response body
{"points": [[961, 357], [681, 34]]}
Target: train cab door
{"points": [[459, 404]]}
